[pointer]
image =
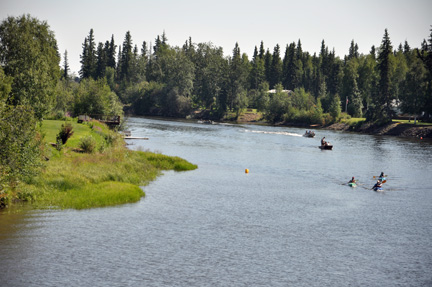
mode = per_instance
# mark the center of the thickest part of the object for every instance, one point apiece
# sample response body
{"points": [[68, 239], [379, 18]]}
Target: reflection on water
{"points": [[292, 221]]}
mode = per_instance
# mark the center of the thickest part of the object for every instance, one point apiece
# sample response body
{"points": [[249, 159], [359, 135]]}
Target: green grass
{"points": [[412, 122], [50, 128], [353, 121], [78, 180]]}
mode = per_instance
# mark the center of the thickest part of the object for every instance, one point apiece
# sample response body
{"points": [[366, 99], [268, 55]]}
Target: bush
{"points": [[88, 144], [65, 133]]}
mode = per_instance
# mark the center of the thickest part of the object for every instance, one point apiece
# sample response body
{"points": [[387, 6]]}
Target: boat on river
{"points": [[352, 184], [326, 146], [309, 134]]}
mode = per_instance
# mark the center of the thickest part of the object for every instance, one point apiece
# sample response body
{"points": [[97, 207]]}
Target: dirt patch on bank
{"points": [[249, 118]]}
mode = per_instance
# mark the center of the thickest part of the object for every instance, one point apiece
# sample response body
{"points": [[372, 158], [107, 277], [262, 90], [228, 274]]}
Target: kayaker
{"points": [[382, 174], [352, 180], [378, 184]]}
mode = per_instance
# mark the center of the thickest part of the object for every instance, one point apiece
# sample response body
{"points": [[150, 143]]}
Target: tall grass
{"points": [[72, 179]]}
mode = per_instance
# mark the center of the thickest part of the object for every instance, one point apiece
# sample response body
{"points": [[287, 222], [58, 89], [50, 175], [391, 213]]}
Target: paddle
{"points": [[380, 176]]}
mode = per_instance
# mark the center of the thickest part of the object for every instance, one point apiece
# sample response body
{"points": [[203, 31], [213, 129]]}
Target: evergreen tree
{"points": [[373, 52], [88, 57], [111, 53], [276, 67], [257, 75], [126, 65], [267, 65], [101, 62], [353, 51], [261, 51], [290, 78], [66, 66], [385, 97]]}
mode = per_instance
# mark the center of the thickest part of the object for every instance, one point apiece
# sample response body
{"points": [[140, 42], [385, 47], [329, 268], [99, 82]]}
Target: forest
{"points": [[285, 84], [179, 81]]}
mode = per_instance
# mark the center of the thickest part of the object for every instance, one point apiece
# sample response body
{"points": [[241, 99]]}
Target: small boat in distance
{"points": [[309, 134], [325, 146]]}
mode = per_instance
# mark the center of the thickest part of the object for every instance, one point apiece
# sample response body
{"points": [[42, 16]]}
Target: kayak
{"points": [[377, 188], [352, 184]]}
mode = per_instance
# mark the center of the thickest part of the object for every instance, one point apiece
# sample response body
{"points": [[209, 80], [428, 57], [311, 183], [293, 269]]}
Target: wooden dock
{"points": [[109, 120], [128, 135], [135, 138]]}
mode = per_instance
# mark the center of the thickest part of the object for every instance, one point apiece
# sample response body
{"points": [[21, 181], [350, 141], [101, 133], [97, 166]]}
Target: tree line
{"points": [[194, 79], [174, 81]]}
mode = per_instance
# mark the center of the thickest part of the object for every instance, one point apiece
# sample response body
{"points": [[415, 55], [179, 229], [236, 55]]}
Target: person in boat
{"points": [[382, 175], [323, 142], [352, 180], [378, 184]]}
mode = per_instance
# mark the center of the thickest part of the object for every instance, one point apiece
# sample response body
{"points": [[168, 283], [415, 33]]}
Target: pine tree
{"points": [[276, 67], [126, 65], [353, 51], [385, 97], [111, 53], [101, 62], [88, 57], [257, 76], [66, 66], [267, 65], [290, 79]]}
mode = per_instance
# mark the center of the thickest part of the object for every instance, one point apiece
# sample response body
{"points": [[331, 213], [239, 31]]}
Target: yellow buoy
{"points": [[246, 171]]}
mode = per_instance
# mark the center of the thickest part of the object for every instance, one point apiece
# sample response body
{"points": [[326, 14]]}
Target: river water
{"points": [[290, 221]]}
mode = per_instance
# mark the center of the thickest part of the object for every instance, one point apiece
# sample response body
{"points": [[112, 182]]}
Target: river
{"points": [[291, 221]]}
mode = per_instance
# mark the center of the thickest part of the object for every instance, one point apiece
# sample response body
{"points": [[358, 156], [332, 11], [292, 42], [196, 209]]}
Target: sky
{"points": [[227, 22]]}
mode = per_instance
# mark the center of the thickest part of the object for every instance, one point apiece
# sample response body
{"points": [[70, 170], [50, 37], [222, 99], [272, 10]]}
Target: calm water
{"points": [[292, 221]]}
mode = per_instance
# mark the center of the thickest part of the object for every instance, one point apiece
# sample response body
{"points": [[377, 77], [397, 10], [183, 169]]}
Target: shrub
{"points": [[66, 131], [88, 144]]}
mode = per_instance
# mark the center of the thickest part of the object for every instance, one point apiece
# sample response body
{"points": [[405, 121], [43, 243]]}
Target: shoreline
{"points": [[391, 129], [396, 129]]}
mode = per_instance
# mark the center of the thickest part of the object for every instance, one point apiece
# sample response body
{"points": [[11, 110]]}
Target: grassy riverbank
{"points": [[111, 175], [398, 127]]}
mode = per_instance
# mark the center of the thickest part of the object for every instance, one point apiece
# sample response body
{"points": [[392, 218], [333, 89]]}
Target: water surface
{"points": [[291, 221]]}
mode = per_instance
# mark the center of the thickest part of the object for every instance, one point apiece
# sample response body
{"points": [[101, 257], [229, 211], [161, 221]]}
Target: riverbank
{"points": [[391, 129], [395, 128], [110, 175]]}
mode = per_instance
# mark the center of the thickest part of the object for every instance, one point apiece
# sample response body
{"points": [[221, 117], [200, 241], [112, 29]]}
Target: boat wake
{"points": [[275, 133]]}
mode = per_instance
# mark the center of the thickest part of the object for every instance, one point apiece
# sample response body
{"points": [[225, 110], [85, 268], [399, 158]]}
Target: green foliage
{"points": [[95, 97], [28, 52], [20, 144], [278, 105], [82, 180], [88, 144], [335, 108], [5, 86], [174, 81]]}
